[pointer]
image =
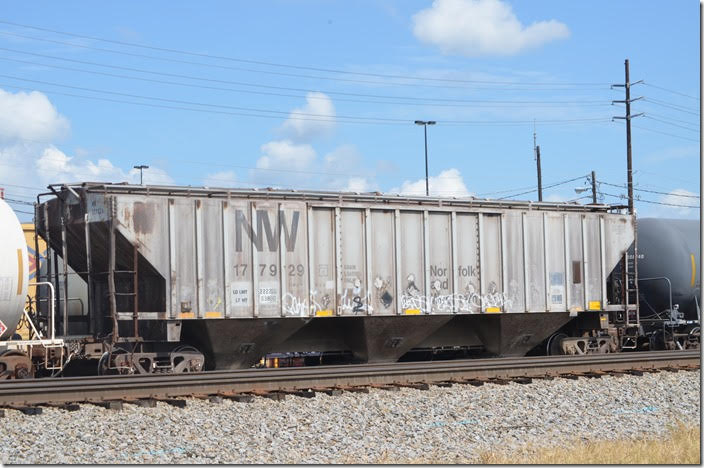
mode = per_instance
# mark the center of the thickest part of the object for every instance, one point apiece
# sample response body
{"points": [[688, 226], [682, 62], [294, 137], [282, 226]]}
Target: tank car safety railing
{"points": [[52, 342]]}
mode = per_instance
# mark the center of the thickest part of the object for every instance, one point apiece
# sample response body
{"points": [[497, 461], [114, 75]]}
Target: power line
{"points": [[671, 91], [258, 85], [665, 133], [651, 202], [391, 99], [649, 191], [688, 122], [21, 202], [545, 187], [225, 67], [687, 110], [247, 112], [670, 123], [299, 67]]}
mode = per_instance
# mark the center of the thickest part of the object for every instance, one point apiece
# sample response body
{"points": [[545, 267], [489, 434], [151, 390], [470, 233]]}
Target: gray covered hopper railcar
{"points": [[240, 273]]}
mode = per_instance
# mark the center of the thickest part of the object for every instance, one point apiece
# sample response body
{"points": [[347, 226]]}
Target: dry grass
{"points": [[680, 446]]}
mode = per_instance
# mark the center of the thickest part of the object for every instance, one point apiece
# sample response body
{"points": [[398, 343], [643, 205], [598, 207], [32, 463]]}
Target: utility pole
{"points": [[628, 117], [141, 167], [540, 178], [536, 151], [425, 124], [594, 187]]}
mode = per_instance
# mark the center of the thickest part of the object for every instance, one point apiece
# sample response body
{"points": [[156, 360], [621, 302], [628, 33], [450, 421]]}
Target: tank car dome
{"points": [[14, 270]]}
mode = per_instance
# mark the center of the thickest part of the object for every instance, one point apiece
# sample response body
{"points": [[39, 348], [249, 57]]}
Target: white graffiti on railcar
{"points": [[452, 303]]}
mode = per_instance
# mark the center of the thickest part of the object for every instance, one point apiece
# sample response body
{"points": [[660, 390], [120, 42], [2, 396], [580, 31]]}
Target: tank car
{"points": [[185, 278], [669, 281], [14, 279]]}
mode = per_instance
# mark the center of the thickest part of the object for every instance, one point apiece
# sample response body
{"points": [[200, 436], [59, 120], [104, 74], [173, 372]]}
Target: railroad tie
{"points": [[499, 381], [211, 398], [417, 386], [443, 384], [238, 397], [330, 391], [70, 407], [173, 402], [302, 393], [522, 380], [109, 404], [145, 403], [28, 410], [390, 388], [356, 389], [474, 382]]}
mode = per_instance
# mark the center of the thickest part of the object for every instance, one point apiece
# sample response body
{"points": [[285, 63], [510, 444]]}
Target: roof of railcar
{"points": [[321, 195]]}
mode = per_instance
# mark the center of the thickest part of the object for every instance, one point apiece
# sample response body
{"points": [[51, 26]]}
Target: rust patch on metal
{"points": [[143, 217]]}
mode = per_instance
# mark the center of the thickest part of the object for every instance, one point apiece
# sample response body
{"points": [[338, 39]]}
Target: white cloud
{"points": [[151, 176], [29, 116], [358, 184], [448, 183], [481, 27], [220, 179], [675, 198], [284, 154], [54, 166], [320, 120], [342, 159]]}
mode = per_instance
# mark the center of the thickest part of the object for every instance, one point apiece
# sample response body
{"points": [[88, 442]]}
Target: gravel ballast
{"points": [[448, 425]]}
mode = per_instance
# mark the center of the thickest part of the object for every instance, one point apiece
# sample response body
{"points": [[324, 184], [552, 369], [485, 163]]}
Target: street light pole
{"points": [[141, 167], [425, 124]]}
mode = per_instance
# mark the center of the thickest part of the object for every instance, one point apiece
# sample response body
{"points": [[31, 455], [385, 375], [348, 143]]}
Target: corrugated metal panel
{"points": [[491, 266], [237, 216], [354, 297], [467, 291], [535, 262], [266, 261], [555, 252], [514, 283], [184, 300], [211, 282], [411, 261], [592, 261], [322, 260], [383, 262], [440, 267], [575, 271], [293, 248]]}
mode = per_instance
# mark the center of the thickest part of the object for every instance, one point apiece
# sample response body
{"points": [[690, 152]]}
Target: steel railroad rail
{"points": [[261, 381]]}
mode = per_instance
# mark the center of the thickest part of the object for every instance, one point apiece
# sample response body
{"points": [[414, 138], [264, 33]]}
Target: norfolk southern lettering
{"points": [[264, 229]]}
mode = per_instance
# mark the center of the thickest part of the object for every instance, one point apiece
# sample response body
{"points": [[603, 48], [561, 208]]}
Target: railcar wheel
{"points": [[554, 344], [15, 365], [662, 340], [107, 363], [693, 338], [186, 358]]}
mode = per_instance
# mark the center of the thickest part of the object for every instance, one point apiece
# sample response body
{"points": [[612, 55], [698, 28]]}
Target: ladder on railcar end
{"points": [[631, 294], [112, 290]]}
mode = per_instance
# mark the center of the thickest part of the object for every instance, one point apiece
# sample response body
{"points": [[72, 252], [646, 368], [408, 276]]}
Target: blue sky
{"points": [[216, 108]]}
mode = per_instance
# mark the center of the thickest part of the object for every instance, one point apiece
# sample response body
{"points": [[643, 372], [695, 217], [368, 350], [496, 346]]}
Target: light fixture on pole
{"points": [[425, 124], [141, 167]]}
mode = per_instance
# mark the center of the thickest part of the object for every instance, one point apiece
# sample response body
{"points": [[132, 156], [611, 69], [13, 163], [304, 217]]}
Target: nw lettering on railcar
{"points": [[264, 224]]}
